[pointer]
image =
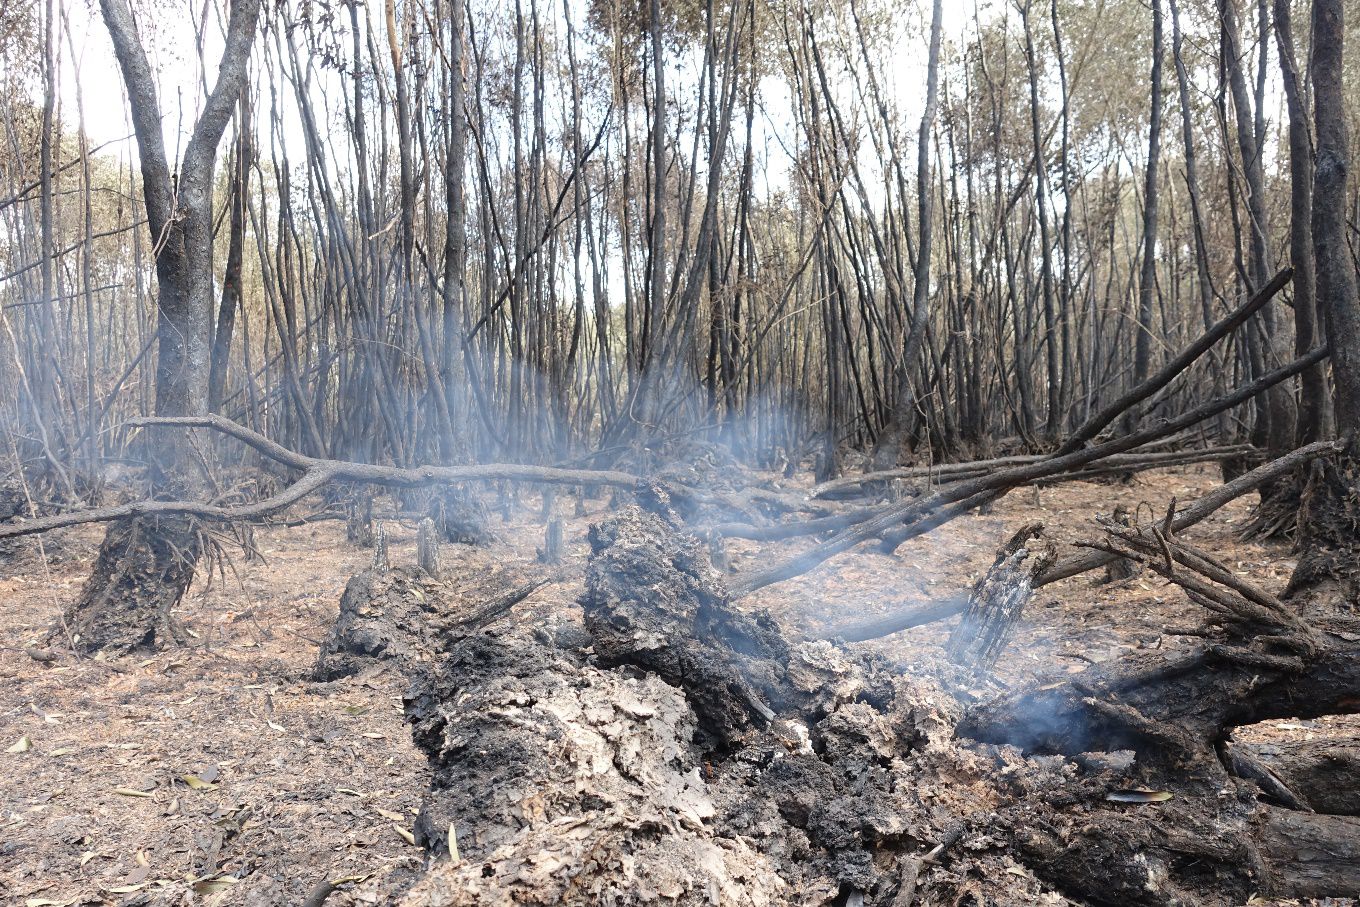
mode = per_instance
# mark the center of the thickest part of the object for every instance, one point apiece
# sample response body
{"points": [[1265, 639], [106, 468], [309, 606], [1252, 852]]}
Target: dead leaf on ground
{"points": [[1138, 796], [131, 792], [212, 886]]}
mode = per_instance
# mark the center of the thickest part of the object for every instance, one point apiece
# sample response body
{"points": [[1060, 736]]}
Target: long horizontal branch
{"points": [[985, 488], [316, 473], [949, 472], [1199, 510], [1118, 464]]}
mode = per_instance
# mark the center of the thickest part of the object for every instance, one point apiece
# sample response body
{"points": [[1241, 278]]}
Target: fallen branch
{"points": [[1201, 509], [1204, 507], [986, 488], [316, 473], [948, 472]]}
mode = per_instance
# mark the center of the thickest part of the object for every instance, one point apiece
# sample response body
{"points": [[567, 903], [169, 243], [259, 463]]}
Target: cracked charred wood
{"points": [[654, 600], [588, 751], [407, 617], [1245, 763], [1323, 773], [385, 616], [1171, 710], [1215, 849], [998, 600], [698, 750]]}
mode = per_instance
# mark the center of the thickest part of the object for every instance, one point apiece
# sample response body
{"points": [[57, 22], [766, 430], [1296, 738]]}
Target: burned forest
{"points": [[864, 453]]}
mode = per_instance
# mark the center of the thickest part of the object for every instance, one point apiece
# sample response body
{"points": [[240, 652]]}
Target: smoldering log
{"points": [[1260, 662], [653, 599], [385, 615], [648, 771], [564, 780]]}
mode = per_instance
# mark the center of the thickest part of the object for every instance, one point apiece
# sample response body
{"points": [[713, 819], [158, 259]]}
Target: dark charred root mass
{"points": [[143, 569]]}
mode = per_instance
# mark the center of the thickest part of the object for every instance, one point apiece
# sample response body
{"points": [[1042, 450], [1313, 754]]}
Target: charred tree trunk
{"points": [[1329, 531], [155, 560]]}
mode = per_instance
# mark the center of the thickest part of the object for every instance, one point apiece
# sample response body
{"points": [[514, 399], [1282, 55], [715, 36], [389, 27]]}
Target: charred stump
{"points": [[13, 503], [407, 618], [999, 599], [427, 548], [1327, 578], [385, 616], [143, 569], [359, 519], [1121, 568], [460, 516]]}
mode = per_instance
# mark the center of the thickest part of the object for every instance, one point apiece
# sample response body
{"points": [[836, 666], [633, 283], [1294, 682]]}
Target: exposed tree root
{"points": [[145, 566]]}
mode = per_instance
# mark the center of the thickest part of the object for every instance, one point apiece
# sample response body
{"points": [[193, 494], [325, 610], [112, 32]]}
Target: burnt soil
{"points": [[223, 772]]}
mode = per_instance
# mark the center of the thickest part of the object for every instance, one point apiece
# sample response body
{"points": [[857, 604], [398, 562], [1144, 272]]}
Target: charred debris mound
{"points": [[683, 753], [672, 749]]}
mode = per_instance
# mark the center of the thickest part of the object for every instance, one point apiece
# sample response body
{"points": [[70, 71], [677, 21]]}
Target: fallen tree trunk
{"points": [[703, 758], [706, 757]]}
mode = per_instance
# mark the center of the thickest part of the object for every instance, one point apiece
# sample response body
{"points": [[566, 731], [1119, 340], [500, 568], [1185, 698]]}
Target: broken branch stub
{"points": [[998, 599]]}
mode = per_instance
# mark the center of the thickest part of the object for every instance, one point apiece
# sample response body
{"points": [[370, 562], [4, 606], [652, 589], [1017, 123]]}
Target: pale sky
{"points": [[88, 69]]}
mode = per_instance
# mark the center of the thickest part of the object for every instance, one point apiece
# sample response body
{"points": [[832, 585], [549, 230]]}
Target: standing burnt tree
{"points": [[1331, 515], [146, 564]]}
